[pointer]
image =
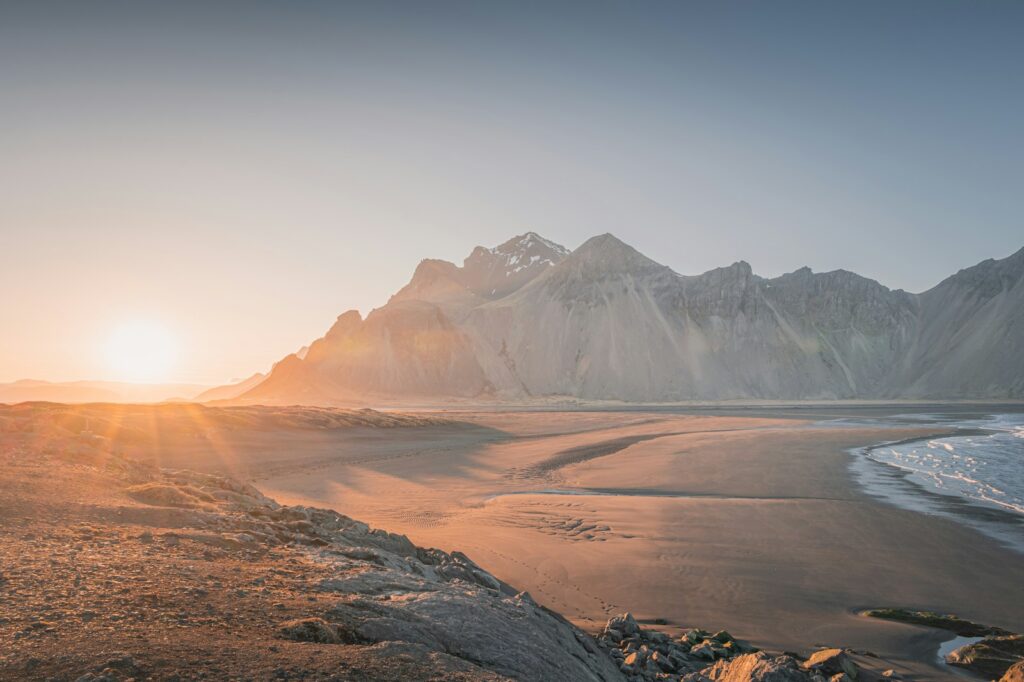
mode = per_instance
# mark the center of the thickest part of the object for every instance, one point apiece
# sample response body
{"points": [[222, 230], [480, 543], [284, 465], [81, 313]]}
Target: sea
{"points": [[975, 475]]}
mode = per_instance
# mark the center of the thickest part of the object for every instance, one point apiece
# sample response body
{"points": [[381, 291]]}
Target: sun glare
{"points": [[141, 350]]}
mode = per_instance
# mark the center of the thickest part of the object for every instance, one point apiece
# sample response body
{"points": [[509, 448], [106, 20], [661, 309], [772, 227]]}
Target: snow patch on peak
{"points": [[530, 238], [531, 241], [519, 253]]}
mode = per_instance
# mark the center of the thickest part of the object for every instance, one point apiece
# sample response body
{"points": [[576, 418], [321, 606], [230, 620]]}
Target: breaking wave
{"points": [[986, 468], [975, 475]]}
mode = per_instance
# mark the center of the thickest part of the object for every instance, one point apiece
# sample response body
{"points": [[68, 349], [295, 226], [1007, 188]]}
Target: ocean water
{"points": [[985, 468], [975, 476]]}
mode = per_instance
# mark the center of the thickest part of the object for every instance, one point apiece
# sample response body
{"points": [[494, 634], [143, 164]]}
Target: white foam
{"points": [[985, 470]]}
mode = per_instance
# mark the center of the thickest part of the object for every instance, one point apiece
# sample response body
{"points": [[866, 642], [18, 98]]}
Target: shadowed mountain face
{"points": [[529, 319]]}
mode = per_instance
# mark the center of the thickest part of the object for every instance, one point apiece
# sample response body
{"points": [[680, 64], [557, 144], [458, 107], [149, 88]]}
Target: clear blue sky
{"points": [[245, 171]]}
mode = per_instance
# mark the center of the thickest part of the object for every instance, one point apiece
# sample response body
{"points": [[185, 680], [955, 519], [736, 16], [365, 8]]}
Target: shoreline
{"points": [[893, 484], [965, 510]]}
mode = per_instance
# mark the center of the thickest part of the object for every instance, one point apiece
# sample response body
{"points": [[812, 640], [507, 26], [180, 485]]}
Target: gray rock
{"points": [[1015, 673], [502, 634], [832, 662], [756, 667], [705, 651]]}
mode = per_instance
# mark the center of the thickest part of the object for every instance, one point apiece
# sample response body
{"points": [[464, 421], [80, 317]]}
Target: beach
{"points": [[756, 520], [749, 520], [750, 523]]}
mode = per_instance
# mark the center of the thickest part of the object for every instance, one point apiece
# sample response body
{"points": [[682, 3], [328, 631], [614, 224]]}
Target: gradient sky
{"points": [[243, 172]]}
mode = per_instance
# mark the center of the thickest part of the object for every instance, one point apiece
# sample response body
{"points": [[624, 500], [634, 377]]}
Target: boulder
{"points": [[705, 651], [832, 662], [634, 659], [661, 662], [991, 657], [1015, 673], [625, 624], [756, 667], [309, 630]]}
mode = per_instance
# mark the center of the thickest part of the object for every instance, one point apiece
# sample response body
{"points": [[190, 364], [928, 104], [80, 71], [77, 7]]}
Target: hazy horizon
{"points": [[226, 179]]}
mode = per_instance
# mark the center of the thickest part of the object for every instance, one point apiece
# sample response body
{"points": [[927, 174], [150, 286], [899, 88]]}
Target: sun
{"points": [[141, 350]]}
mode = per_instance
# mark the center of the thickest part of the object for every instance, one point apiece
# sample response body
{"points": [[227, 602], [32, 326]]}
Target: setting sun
{"points": [[141, 350]]}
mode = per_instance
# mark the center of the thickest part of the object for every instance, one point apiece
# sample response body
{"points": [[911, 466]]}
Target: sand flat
{"points": [[748, 523], [745, 519]]}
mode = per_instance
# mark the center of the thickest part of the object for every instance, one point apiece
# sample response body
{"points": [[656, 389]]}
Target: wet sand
{"points": [[747, 522]]}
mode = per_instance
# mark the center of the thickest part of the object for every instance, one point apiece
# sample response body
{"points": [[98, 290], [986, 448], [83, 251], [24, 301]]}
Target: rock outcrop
{"points": [[1015, 673], [831, 662], [528, 319], [644, 654], [385, 589], [755, 667], [180, 559], [992, 656]]}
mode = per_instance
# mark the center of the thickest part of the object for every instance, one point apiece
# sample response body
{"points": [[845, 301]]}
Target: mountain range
{"points": [[25, 390], [529, 319]]}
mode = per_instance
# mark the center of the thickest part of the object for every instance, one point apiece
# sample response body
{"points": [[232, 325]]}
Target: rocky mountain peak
{"points": [[498, 271], [740, 269], [529, 241], [487, 273], [517, 254], [609, 254], [833, 280]]}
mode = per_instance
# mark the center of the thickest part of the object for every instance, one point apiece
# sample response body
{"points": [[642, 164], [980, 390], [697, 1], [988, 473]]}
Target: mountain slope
{"points": [[969, 341], [408, 348], [611, 323], [527, 319], [233, 390]]}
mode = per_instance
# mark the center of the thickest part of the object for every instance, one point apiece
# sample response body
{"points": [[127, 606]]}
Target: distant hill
{"points": [[529, 319], [27, 390], [229, 391]]}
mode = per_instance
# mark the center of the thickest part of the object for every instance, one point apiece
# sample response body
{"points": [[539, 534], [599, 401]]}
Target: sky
{"points": [[237, 174]]}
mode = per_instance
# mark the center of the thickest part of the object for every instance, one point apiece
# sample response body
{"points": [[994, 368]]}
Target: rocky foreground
{"points": [[116, 570], [112, 569]]}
